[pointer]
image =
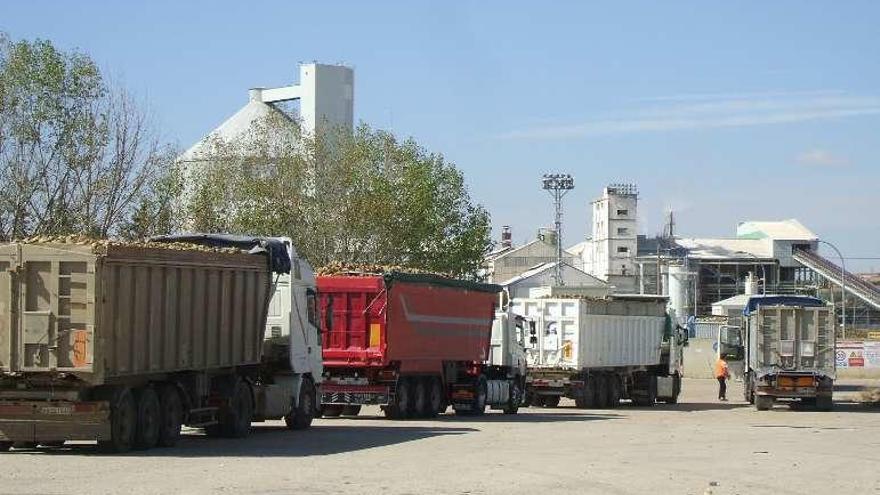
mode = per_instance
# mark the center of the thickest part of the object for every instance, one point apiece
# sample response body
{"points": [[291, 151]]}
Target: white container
{"points": [[581, 333]]}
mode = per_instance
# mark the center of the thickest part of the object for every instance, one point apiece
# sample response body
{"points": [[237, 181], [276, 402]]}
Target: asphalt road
{"points": [[698, 446]]}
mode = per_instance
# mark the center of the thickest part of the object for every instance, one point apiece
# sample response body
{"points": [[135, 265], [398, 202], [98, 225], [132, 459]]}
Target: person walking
{"points": [[722, 373]]}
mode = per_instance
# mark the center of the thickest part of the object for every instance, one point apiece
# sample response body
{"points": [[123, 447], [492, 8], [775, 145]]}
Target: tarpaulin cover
{"points": [[279, 258], [803, 301]]}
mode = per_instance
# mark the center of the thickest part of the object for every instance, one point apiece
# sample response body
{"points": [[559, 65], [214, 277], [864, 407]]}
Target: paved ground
{"points": [[698, 446]]}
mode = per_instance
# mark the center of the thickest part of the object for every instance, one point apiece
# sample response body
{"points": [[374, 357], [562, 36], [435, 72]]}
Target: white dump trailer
{"points": [[599, 351]]}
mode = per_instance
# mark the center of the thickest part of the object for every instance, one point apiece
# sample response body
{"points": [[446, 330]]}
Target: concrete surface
{"points": [[698, 446]]}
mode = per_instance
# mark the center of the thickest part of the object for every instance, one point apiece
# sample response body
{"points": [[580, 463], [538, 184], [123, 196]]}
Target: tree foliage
{"points": [[355, 197], [76, 156]]}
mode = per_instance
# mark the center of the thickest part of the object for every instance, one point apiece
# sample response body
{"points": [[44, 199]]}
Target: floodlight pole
{"points": [[558, 185]]}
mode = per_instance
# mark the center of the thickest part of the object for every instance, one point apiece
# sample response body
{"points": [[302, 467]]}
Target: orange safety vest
{"points": [[721, 369]]}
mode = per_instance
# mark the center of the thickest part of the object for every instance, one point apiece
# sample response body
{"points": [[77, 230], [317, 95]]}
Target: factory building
{"points": [[780, 256], [509, 261], [325, 95]]}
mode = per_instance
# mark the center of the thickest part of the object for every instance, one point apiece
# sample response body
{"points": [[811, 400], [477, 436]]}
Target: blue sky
{"points": [[722, 112]]}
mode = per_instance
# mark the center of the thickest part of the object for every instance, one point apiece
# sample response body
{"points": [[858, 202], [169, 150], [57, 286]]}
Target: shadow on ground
{"points": [[278, 441]]}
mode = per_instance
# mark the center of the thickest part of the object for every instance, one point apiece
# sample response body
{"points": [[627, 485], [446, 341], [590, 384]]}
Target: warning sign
{"points": [[850, 354]]}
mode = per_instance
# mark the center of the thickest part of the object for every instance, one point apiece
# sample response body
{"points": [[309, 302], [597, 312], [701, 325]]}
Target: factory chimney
{"points": [[506, 237]]}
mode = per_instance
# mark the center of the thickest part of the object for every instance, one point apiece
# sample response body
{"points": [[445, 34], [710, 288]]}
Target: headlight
{"points": [[786, 348], [808, 349]]}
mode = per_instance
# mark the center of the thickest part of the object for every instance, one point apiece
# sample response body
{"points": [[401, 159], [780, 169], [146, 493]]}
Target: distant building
{"points": [[543, 276], [510, 261], [611, 251]]}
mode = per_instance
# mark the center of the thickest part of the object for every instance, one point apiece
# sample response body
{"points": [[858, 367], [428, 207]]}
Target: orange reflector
{"points": [[795, 381], [375, 334]]}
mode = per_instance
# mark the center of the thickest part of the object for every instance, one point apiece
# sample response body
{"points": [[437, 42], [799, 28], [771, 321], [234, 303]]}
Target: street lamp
{"points": [[558, 186], [842, 286]]}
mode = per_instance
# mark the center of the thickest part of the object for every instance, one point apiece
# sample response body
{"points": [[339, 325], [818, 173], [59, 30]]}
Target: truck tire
{"points": [[351, 410], [123, 421], [586, 398], [482, 391], [613, 391], [763, 402], [148, 419], [236, 423], [824, 403], [646, 391], [516, 395], [332, 410], [300, 416], [171, 416], [602, 392], [5, 446], [551, 401], [421, 407], [748, 391], [435, 396], [401, 406]]}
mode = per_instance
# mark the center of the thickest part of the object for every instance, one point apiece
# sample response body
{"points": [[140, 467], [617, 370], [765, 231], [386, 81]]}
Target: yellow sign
{"points": [[873, 335]]}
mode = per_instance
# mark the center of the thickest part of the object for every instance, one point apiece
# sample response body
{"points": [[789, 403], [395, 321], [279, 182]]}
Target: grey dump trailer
{"points": [[123, 344], [786, 344], [600, 351]]}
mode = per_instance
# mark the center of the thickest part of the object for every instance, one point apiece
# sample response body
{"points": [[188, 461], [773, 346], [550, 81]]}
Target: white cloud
{"points": [[705, 112], [820, 158]]}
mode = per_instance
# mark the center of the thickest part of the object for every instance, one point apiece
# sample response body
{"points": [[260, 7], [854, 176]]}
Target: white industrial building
{"points": [[325, 94]]}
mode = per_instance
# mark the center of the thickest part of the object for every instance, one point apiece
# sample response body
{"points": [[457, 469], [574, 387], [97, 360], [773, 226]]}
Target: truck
{"points": [[123, 343], [414, 344], [787, 347], [599, 351]]}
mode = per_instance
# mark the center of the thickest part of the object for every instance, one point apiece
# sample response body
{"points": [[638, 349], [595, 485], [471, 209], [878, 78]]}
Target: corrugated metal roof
{"points": [[543, 267], [784, 230], [722, 249]]}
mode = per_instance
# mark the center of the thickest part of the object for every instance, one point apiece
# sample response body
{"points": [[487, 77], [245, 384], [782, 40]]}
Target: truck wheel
{"points": [[148, 419], [435, 396], [332, 410], [586, 398], [646, 391], [301, 416], [551, 401], [351, 410], [420, 407], [123, 422], [763, 402], [748, 392], [401, 406], [824, 403], [515, 399], [171, 416], [479, 406], [602, 392], [237, 421], [613, 392]]}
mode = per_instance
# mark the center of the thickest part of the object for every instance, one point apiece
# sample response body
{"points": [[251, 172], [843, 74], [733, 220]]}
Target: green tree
{"points": [[76, 156], [359, 197]]}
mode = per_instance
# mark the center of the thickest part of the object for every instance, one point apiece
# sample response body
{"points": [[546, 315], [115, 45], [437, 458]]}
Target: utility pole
{"points": [[558, 186]]}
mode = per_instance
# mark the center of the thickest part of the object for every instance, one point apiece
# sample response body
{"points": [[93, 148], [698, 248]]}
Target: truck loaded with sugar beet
{"points": [[123, 343], [416, 344]]}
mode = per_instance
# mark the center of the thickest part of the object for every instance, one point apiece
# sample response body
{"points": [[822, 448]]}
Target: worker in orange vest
{"points": [[722, 373]]}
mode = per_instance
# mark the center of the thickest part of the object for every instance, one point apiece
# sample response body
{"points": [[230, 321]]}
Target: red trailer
{"points": [[413, 344]]}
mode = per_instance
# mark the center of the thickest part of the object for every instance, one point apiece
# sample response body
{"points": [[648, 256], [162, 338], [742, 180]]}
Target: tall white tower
{"points": [[615, 241]]}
